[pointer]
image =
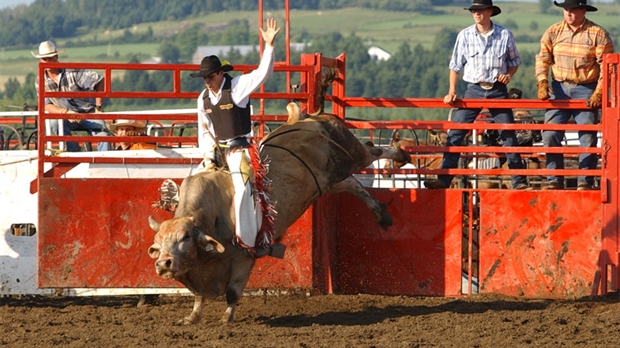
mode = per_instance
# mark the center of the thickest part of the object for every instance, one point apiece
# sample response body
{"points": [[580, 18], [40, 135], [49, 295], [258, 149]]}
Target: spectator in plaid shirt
{"points": [[573, 49], [71, 80]]}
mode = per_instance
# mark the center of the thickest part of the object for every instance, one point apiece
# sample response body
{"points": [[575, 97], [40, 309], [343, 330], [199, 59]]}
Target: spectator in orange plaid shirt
{"points": [[574, 50]]}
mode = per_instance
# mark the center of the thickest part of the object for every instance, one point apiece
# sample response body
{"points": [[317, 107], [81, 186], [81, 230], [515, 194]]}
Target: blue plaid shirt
{"points": [[480, 59]]}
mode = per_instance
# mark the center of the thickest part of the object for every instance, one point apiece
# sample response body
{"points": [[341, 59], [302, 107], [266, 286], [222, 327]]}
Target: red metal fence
{"points": [[561, 244]]}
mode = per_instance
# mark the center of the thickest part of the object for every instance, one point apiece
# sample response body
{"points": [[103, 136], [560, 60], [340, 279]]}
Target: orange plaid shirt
{"points": [[574, 56]]}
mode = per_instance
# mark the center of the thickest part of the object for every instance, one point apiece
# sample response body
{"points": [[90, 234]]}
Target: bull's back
{"points": [[321, 143], [306, 159]]}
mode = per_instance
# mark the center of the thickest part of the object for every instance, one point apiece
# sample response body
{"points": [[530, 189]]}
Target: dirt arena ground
{"points": [[332, 321]]}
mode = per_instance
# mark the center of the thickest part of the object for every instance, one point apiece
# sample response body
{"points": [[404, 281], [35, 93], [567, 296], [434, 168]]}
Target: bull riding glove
{"points": [[596, 100], [543, 89]]}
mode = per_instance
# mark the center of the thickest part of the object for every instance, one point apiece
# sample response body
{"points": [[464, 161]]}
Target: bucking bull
{"points": [[308, 156]]}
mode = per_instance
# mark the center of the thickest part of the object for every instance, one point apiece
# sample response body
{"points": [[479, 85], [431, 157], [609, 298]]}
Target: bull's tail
{"points": [[328, 78]]}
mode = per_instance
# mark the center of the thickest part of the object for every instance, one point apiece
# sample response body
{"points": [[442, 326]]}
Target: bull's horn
{"points": [[154, 224]]}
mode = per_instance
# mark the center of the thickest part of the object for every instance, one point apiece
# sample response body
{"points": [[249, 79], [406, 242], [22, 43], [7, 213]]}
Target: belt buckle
{"points": [[569, 84], [486, 85]]}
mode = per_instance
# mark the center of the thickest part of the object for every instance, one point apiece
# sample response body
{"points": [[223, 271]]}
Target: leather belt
{"points": [[239, 142]]}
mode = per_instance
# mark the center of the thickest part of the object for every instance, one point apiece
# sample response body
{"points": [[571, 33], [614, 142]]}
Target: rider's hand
{"points": [[269, 35], [209, 165]]}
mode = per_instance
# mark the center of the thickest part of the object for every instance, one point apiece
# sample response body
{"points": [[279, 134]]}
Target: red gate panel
{"points": [[540, 243], [419, 255], [295, 270], [94, 233]]}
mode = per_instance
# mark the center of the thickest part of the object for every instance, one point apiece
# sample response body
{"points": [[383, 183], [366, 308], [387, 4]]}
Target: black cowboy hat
{"points": [[515, 93], [211, 64], [570, 4], [482, 4]]}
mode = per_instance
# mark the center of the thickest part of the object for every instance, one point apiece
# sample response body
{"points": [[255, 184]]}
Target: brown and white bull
{"points": [[307, 157]]}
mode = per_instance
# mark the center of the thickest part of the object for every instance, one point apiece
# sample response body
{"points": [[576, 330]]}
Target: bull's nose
{"points": [[163, 265]]}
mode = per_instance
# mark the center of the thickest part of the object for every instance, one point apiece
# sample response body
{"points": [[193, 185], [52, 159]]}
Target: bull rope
{"points": [[29, 159], [316, 181], [310, 131]]}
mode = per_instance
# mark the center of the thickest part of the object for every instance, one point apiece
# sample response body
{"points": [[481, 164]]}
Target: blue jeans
{"points": [[456, 136], [93, 127], [586, 139]]}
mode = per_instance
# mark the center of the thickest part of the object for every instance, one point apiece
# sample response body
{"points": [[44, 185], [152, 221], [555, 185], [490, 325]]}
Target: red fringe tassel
{"points": [[261, 187]]}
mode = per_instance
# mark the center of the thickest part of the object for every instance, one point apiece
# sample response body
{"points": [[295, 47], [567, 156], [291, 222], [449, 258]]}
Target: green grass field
{"points": [[388, 30]]}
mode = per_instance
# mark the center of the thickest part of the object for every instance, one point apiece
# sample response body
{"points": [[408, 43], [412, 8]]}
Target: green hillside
{"points": [[386, 29]]}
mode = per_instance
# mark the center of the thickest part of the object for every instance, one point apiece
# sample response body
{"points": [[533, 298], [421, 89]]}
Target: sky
{"points": [[13, 3]]}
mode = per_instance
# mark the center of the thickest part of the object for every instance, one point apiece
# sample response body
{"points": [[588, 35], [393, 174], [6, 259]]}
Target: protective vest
{"points": [[229, 120]]}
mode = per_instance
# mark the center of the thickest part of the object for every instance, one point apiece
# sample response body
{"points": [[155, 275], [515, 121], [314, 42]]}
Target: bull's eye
{"points": [[185, 237]]}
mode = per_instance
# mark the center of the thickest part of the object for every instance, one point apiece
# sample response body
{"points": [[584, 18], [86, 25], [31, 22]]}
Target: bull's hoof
{"points": [[385, 220], [226, 318], [191, 320], [148, 300]]}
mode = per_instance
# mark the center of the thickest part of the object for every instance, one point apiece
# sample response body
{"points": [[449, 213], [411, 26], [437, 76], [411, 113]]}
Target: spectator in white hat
{"points": [[71, 80], [130, 128]]}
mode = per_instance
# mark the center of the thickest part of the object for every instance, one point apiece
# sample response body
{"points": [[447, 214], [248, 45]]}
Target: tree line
{"points": [[413, 72], [25, 26]]}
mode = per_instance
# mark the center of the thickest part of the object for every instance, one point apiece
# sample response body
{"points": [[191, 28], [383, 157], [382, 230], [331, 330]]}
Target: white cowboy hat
{"points": [[138, 125], [46, 49]]}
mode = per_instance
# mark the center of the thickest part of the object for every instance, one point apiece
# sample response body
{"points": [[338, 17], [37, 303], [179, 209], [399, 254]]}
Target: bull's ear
{"points": [[208, 243], [154, 251], [154, 224]]}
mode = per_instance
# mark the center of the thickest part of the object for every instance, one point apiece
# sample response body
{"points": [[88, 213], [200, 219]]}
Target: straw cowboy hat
{"points": [[211, 64], [571, 4], [46, 49], [482, 4], [140, 126]]}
